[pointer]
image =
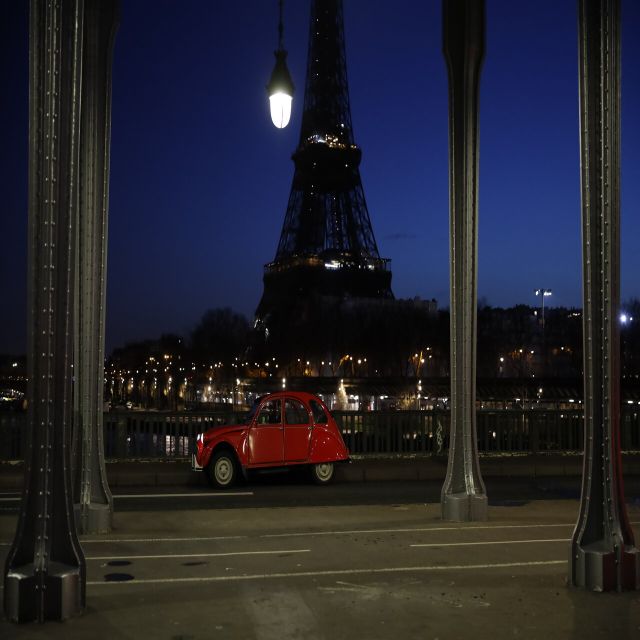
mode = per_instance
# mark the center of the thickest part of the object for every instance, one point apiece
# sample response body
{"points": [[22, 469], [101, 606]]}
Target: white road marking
{"points": [[338, 572], [213, 538], [325, 533], [221, 494], [199, 555], [348, 532], [471, 544], [165, 495], [415, 530]]}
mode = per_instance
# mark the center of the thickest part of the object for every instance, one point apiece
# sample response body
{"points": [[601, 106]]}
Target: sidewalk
{"points": [[158, 473]]}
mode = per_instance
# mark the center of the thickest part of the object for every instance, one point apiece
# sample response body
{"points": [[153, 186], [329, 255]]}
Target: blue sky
{"points": [[200, 178]]}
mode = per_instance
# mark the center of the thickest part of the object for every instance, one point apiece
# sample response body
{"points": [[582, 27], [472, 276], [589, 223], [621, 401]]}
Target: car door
{"points": [[297, 430], [266, 439]]}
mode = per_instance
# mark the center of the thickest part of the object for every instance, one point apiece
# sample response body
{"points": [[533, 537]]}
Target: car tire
{"points": [[322, 473], [222, 470]]}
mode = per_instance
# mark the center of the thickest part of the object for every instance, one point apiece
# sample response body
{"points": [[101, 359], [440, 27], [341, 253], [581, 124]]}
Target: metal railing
{"points": [[155, 434], [136, 434], [427, 432]]}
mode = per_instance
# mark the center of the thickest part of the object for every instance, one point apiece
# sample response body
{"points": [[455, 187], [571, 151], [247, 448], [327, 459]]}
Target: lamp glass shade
{"points": [[280, 104], [280, 91]]}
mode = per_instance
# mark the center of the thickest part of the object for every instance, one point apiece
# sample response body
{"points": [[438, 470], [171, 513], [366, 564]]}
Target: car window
{"points": [[295, 412], [319, 414], [248, 417], [269, 413]]}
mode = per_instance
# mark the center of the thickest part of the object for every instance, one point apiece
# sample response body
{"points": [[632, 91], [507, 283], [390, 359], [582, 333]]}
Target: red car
{"points": [[283, 429]]}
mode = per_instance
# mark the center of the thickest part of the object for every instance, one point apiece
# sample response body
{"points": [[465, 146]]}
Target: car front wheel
{"points": [[222, 470], [322, 473]]}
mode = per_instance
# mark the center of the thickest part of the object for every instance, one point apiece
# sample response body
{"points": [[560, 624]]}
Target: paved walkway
{"points": [[374, 571]]}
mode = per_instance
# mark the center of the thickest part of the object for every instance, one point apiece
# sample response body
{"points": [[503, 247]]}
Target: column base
{"points": [[464, 507], [595, 569], [93, 518], [61, 598]]}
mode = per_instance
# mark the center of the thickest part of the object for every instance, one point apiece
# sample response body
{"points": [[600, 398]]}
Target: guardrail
{"points": [[137, 434]]}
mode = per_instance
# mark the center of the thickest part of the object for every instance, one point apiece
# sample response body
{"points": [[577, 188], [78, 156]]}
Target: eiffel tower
{"points": [[327, 248]]}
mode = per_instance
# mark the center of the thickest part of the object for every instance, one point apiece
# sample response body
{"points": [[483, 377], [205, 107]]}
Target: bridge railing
{"points": [[427, 432], [137, 434]]}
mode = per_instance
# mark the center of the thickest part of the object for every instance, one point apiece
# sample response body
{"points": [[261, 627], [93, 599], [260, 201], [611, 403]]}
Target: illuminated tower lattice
{"points": [[327, 246]]}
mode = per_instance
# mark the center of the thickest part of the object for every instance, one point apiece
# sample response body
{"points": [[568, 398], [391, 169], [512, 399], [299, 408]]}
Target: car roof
{"points": [[301, 395]]}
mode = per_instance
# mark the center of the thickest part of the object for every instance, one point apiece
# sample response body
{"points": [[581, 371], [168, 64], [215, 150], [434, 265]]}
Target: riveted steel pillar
{"points": [[45, 568], [603, 556], [463, 493], [92, 497]]}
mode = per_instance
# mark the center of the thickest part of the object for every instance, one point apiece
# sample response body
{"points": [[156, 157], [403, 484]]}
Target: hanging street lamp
{"points": [[280, 87]]}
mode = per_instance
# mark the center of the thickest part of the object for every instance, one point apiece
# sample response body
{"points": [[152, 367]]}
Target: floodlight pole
{"points": [[603, 556], [463, 495]]}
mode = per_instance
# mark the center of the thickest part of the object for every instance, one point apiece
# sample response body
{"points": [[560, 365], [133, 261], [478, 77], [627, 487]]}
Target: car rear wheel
{"points": [[222, 470], [322, 473]]}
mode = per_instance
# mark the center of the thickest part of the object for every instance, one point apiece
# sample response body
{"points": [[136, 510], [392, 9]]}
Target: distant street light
{"points": [[280, 87], [543, 293]]}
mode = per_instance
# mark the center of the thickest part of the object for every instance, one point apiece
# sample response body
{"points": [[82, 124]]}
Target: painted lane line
{"points": [[337, 572], [207, 539], [115, 540], [165, 495], [415, 530], [184, 495], [348, 532], [472, 544], [199, 555], [322, 533]]}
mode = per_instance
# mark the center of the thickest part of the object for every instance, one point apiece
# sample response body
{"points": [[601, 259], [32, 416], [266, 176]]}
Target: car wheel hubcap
{"points": [[324, 471], [223, 470]]}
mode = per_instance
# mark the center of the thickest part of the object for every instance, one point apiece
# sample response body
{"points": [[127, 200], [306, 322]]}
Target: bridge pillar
{"points": [[92, 497], [45, 575], [602, 554], [463, 493], [45, 568]]}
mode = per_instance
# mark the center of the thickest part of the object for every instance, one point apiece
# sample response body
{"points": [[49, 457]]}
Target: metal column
{"points": [[463, 493], [602, 555], [92, 497], [45, 569]]}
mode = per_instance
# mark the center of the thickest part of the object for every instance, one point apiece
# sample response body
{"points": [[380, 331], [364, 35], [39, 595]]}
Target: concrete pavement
{"points": [[374, 571]]}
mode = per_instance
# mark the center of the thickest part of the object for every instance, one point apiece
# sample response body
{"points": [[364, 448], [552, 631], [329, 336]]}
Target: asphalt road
{"points": [[277, 560], [269, 490]]}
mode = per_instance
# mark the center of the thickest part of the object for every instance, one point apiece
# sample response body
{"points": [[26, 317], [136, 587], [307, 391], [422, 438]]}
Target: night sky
{"points": [[200, 178]]}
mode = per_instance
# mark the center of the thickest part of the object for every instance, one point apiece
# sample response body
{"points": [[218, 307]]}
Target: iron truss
{"points": [[327, 244]]}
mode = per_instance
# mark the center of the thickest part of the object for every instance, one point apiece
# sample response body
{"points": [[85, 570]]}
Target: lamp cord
{"points": [[280, 27]]}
